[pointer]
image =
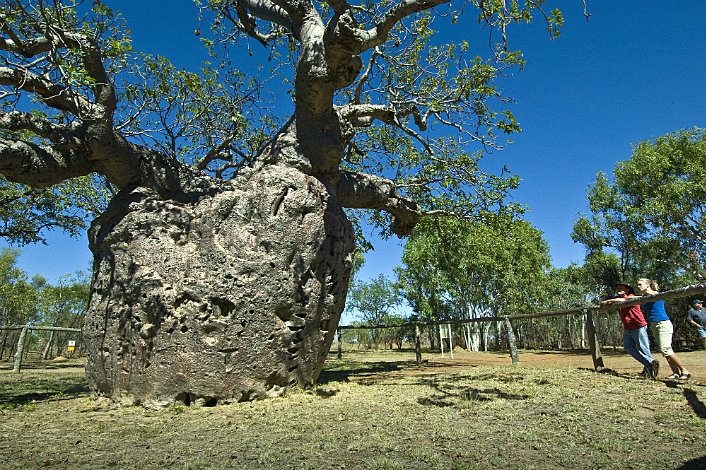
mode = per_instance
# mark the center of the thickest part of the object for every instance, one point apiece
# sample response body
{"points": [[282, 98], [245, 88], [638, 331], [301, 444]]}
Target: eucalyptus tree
{"points": [[476, 269], [221, 265], [613, 225], [375, 302], [665, 182], [650, 213], [62, 304], [18, 296]]}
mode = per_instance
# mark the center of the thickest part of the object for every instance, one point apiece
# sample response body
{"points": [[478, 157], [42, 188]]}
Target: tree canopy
{"points": [[375, 94], [650, 213], [473, 270]]}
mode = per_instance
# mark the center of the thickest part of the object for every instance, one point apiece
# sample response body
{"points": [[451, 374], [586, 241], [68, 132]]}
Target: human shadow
{"points": [[694, 464], [695, 404]]}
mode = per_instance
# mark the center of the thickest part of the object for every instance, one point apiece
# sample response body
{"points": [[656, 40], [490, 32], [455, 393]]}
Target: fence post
{"points": [[513, 345], [593, 342], [417, 343], [340, 345], [4, 339], [451, 341], [20, 350]]}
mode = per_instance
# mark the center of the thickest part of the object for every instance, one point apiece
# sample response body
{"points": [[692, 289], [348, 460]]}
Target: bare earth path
{"points": [[616, 360]]}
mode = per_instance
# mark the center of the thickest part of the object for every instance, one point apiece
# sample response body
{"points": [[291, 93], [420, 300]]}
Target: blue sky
{"points": [[633, 72]]}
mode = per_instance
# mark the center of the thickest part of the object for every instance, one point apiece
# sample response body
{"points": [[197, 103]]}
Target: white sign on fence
{"points": [[72, 343]]}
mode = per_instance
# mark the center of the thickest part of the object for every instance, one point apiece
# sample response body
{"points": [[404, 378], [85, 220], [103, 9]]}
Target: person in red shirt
{"points": [[635, 339]]}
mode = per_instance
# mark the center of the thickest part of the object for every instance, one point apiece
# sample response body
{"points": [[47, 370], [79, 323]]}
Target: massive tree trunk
{"points": [[205, 290], [231, 296]]}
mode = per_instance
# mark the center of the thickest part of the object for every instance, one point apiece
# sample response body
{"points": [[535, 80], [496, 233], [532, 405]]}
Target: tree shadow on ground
{"points": [[344, 371], [67, 392], [448, 393], [42, 366]]}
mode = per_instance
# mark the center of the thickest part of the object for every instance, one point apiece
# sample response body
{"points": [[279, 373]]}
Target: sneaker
{"points": [[654, 370], [685, 376], [674, 376]]}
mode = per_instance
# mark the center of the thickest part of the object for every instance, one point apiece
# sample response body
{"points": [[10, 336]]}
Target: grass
{"points": [[370, 411]]}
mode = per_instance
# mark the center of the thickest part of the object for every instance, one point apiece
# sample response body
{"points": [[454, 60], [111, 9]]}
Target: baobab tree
{"points": [[221, 264]]}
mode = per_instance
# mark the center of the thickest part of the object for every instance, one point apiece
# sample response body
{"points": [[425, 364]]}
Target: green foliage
{"points": [[66, 66], [64, 303], [213, 118], [443, 107], [455, 269], [375, 302], [27, 213], [651, 214], [19, 297], [36, 301]]}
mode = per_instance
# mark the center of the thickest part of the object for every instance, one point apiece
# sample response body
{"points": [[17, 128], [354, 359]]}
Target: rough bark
{"points": [[208, 291], [234, 296]]}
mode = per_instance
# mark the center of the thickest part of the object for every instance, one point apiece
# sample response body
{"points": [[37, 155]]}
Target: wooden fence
{"points": [[23, 334], [507, 320]]}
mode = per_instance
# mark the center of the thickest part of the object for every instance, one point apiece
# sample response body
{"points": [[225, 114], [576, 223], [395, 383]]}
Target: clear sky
{"points": [[634, 71]]}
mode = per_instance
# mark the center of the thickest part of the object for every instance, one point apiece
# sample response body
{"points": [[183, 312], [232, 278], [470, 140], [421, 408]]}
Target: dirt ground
{"points": [[616, 360]]}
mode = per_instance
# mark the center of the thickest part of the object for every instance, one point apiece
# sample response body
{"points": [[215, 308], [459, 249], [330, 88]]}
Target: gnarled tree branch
{"points": [[364, 191]]}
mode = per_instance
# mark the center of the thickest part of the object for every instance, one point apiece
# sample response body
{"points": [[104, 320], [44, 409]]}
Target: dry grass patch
{"points": [[371, 411]]}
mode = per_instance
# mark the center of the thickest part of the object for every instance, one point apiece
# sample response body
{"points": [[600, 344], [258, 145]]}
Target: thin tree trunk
{"points": [[418, 344], [20, 350], [4, 340], [28, 342], [511, 340], [47, 348]]}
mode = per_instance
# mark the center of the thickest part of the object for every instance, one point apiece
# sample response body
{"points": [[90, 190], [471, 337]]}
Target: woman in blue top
{"points": [[662, 328]]}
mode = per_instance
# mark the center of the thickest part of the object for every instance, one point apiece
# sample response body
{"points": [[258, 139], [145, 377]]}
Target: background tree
{"points": [[63, 304], [649, 215], [18, 295], [26, 213], [664, 181], [19, 298], [375, 302], [475, 270]]}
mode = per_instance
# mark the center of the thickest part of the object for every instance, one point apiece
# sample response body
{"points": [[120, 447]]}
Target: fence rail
{"points": [[46, 328], [23, 334], [588, 310]]}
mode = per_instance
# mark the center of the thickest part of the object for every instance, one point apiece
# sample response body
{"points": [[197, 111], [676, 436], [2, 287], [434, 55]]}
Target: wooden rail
{"points": [[21, 342], [688, 291]]}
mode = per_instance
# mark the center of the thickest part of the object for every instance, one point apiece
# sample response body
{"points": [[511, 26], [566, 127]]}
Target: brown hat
{"points": [[625, 284]]}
